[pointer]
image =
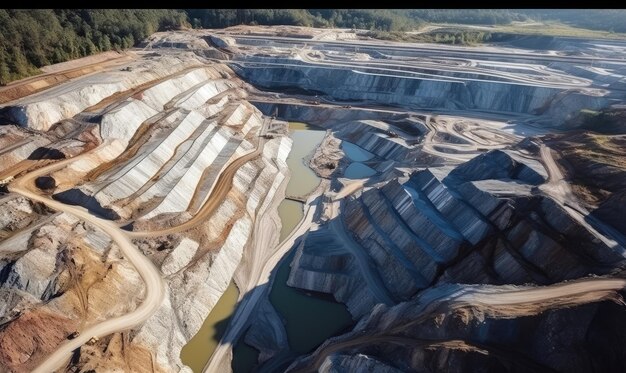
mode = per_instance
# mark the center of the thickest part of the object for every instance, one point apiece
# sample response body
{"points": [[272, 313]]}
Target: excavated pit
{"points": [[401, 227]]}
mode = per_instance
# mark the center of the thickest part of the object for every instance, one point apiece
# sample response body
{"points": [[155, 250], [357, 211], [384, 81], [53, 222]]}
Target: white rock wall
{"points": [[122, 122], [42, 110]]}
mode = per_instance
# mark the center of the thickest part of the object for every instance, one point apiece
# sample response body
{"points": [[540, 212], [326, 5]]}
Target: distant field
{"points": [[558, 29], [474, 34]]}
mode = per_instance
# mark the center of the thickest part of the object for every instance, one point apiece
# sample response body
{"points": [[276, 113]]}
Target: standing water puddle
{"points": [[356, 169], [198, 350], [355, 152]]}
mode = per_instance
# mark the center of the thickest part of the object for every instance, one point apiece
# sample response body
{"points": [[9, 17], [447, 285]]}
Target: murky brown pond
{"points": [[305, 139], [198, 350], [310, 320]]}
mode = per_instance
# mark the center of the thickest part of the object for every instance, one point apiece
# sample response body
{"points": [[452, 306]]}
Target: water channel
{"points": [[198, 350], [310, 318]]}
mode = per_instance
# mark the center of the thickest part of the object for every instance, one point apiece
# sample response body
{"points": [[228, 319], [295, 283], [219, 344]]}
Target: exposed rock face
{"points": [[434, 330], [326, 117], [61, 273], [31, 336], [349, 85], [165, 142], [592, 159], [180, 257], [19, 213], [419, 223], [595, 166], [328, 157], [494, 79], [465, 227], [352, 85], [611, 211], [184, 150], [114, 353], [18, 145], [201, 277], [351, 363], [264, 335], [132, 113], [41, 111], [501, 165]]}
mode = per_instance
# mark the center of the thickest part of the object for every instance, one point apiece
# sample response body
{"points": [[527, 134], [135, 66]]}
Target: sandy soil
{"points": [[150, 274], [60, 73]]}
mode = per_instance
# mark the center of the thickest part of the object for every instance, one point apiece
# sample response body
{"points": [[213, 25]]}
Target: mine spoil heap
{"points": [[468, 218]]}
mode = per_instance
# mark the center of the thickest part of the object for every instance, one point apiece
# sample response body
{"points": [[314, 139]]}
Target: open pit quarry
{"points": [[293, 199]]}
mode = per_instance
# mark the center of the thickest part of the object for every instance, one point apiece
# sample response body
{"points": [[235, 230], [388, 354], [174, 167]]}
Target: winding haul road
{"points": [[423, 49], [514, 300], [558, 188], [218, 193], [151, 275], [155, 286]]}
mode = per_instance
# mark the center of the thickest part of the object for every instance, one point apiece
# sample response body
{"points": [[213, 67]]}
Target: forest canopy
{"points": [[30, 39]]}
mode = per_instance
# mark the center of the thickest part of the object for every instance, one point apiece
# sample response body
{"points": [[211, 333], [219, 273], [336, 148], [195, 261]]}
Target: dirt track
{"points": [[38, 83], [218, 194], [155, 287], [558, 188], [520, 301]]}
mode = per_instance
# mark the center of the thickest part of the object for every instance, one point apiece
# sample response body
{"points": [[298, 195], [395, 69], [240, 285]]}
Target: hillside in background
{"points": [[30, 39]]}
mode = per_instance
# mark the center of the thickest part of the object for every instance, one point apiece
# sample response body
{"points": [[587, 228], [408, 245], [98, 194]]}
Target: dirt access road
{"points": [[558, 188], [218, 193], [155, 286], [512, 301]]}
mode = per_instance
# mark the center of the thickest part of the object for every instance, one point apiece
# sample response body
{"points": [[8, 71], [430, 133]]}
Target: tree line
{"points": [[30, 39], [369, 19]]}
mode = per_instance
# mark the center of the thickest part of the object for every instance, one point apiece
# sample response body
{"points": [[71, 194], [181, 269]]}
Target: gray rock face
{"points": [[481, 223], [369, 84], [324, 265], [352, 363], [267, 334], [374, 136], [611, 211], [430, 331], [498, 164]]}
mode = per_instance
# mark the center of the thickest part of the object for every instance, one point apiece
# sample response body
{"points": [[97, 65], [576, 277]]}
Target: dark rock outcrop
{"points": [[482, 223], [498, 164], [45, 182]]}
